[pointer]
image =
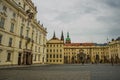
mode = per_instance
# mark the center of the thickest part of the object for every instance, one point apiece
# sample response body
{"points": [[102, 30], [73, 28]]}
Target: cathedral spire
{"points": [[54, 36], [62, 36]]}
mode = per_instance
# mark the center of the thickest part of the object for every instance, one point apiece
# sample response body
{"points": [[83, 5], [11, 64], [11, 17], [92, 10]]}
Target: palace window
{"points": [[53, 50], [8, 56], [60, 55], [21, 30], [32, 34], [57, 50], [60, 60], [27, 33], [1, 38], [10, 42], [14, 15], [50, 50], [36, 36], [47, 50], [4, 8], [35, 48], [2, 22], [57, 56], [39, 39], [50, 55], [20, 44], [23, 20], [39, 50], [47, 55], [35, 58], [24, 6], [0, 54], [38, 57], [12, 27], [53, 55], [60, 50]]}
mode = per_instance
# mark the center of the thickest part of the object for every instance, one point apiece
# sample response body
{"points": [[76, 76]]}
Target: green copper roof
{"points": [[67, 39]]}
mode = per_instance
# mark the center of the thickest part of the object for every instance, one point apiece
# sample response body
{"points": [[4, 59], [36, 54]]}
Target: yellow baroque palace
{"points": [[22, 37], [60, 52]]}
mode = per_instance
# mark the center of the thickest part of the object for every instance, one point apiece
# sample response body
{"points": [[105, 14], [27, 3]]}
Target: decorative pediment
{"points": [[30, 14]]}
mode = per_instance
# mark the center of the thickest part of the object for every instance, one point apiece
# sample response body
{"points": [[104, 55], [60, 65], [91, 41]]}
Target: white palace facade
{"points": [[22, 37]]}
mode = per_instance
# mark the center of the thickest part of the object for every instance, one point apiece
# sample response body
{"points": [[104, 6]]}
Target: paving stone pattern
{"points": [[62, 72]]}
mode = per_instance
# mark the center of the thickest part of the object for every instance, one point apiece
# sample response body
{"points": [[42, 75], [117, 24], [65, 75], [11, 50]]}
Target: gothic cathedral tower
{"points": [[62, 37]]}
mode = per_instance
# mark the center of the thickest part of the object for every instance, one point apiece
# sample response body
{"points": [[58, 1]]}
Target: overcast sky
{"points": [[85, 20]]}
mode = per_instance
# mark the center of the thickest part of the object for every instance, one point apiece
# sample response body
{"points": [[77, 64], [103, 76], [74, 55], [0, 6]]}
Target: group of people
{"points": [[112, 60], [115, 60], [81, 59]]}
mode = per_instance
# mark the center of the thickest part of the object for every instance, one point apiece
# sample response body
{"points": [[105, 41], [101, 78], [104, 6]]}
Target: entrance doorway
{"points": [[19, 58], [27, 57]]}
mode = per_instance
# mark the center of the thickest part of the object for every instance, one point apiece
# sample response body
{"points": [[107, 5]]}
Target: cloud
{"points": [[112, 3], [86, 20], [111, 19]]}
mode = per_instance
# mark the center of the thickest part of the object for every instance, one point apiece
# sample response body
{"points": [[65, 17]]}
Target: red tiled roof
{"points": [[80, 44]]}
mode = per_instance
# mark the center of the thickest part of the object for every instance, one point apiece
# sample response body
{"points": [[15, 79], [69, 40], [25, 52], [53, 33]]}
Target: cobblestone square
{"points": [[62, 72]]}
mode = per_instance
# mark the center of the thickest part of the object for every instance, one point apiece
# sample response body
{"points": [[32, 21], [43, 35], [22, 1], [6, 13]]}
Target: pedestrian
{"points": [[82, 62], [112, 61]]}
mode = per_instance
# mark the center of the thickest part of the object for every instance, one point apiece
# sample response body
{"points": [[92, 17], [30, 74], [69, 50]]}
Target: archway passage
{"points": [[97, 58], [81, 57], [88, 59]]}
